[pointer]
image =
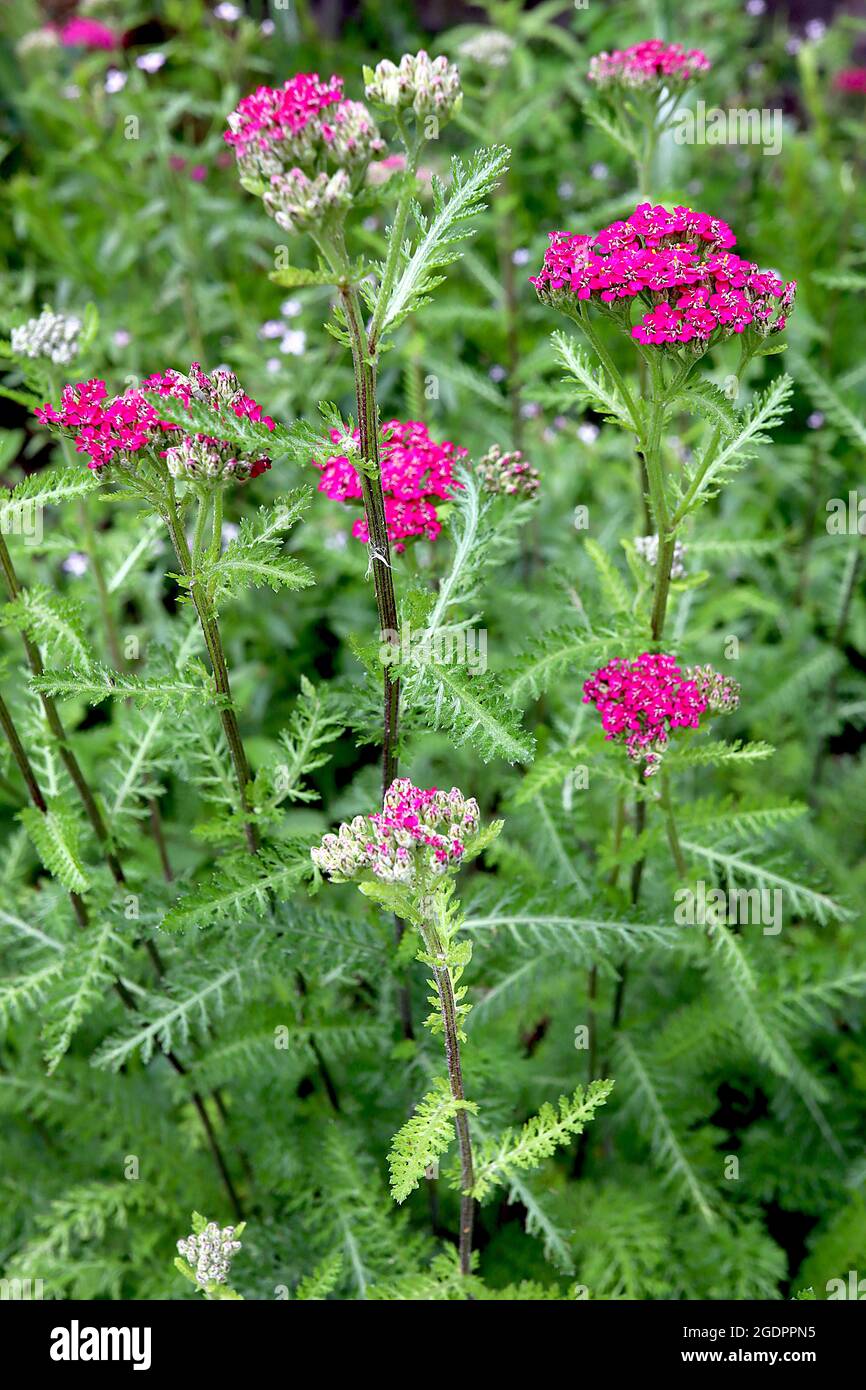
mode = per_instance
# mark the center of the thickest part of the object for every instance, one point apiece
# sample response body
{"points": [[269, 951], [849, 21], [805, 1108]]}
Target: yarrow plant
{"points": [[692, 295], [415, 473], [129, 439], [405, 858], [306, 150], [642, 702], [635, 92]]}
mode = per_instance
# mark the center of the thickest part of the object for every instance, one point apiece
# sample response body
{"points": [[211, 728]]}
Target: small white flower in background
{"points": [[75, 564], [520, 256], [150, 62], [294, 342], [530, 409], [497, 373], [115, 81], [793, 45], [71, 92], [121, 338], [54, 336], [566, 189], [230, 532], [338, 541], [648, 548], [560, 421], [211, 1253], [756, 6], [587, 433], [227, 12], [290, 308], [267, 27], [370, 224], [815, 420], [490, 48], [815, 30], [273, 366], [599, 171], [273, 328]]}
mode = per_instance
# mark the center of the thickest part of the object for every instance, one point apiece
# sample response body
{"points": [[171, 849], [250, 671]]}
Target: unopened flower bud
{"points": [[429, 86]]}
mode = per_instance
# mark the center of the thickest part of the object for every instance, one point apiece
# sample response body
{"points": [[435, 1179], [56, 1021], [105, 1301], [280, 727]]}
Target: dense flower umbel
{"points": [[118, 429], [641, 702], [431, 86], [415, 469], [649, 64], [507, 473], [679, 266], [418, 833], [211, 1253], [306, 125], [53, 336]]}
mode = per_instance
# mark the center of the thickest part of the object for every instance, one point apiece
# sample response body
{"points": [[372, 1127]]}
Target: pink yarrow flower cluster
{"points": [[647, 64], [642, 702], [415, 470], [418, 833], [81, 32], [119, 429], [300, 131], [679, 266]]}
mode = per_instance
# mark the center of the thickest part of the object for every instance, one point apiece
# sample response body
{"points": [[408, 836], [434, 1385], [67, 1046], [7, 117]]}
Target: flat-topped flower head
{"points": [[851, 80], [418, 835], [51, 336], [430, 86], [678, 266], [306, 125], [210, 1253], [416, 472], [651, 64], [642, 702], [507, 473], [128, 429]]}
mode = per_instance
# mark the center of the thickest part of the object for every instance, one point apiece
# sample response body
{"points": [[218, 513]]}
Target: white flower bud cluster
{"points": [[489, 48], [211, 1253], [200, 457], [53, 336], [418, 832], [431, 86], [507, 473], [298, 203], [648, 549]]}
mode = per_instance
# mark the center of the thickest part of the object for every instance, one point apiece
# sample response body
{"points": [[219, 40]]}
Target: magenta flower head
{"points": [[418, 836], [128, 431], [642, 702], [647, 65], [303, 146], [677, 268], [851, 80], [416, 472], [80, 32]]}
